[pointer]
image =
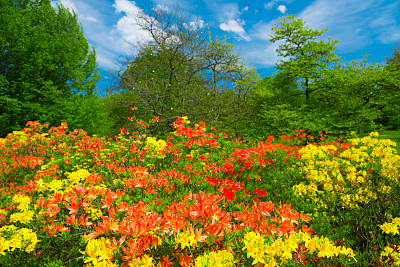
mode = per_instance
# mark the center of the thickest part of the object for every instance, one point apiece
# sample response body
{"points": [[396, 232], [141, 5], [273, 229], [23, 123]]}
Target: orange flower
{"points": [[73, 208], [185, 259], [52, 211], [164, 262], [116, 244], [55, 229], [106, 227], [133, 250]]}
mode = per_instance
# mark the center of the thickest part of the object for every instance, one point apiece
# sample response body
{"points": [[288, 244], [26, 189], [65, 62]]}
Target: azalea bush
{"points": [[193, 199]]}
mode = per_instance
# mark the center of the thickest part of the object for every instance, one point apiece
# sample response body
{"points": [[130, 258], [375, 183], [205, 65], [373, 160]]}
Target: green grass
{"points": [[392, 135]]}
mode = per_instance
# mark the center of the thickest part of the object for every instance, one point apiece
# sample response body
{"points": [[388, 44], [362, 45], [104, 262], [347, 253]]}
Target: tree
{"points": [[280, 107], [308, 58], [391, 112], [44, 60], [354, 96], [394, 61], [329, 95], [183, 71]]}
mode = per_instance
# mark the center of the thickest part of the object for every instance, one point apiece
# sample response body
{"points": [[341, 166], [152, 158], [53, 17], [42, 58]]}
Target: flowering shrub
{"points": [[12, 238], [348, 175], [294, 247], [192, 199]]}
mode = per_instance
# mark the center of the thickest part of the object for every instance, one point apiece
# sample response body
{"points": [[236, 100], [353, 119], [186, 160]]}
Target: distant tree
{"points": [[395, 59], [329, 95], [183, 71], [354, 95], [46, 65], [307, 59], [391, 112]]}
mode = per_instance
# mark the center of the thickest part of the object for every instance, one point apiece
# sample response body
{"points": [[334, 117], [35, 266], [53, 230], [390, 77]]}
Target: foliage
{"points": [[391, 114], [313, 90], [308, 58], [44, 61], [354, 185], [197, 198], [183, 71]]}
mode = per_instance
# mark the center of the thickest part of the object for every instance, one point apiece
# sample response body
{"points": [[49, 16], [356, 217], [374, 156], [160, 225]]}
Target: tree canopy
{"points": [[314, 91], [183, 71], [308, 58], [44, 60]]}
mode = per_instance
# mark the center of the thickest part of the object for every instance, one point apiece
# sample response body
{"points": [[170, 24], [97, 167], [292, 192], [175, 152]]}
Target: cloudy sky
{"points": [[360, 26]]}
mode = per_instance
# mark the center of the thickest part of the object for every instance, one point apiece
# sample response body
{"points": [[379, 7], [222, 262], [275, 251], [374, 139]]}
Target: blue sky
{"points": [[360, 26]]}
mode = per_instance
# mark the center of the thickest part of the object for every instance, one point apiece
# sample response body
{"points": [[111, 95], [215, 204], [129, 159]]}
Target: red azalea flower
{"points": [[260, 193], [212, 180], [228, 193], [202, 158]]}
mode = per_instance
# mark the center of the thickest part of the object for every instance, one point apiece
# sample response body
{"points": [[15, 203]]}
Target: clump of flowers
{"points": [[391, 253], [76, 177], [22, 201], [12, 238], [221, 258], [185, 239], [292, 247], [347, 175], [391, 228], [25, 216], [156, 146], [144, 261], [97, 253]]}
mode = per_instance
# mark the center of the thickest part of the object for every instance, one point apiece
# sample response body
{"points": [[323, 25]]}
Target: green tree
{"points": [[391, 112], [280, 107], [45, 63], [183, 71], [308, 59], [394, 61], [329, 95], [353, 96]]}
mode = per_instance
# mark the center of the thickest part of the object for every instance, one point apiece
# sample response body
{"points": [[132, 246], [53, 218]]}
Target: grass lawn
{"points": [[392, 135]]}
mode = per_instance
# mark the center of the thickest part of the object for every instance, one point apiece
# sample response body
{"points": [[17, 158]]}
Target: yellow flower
{"points": [[22, 200], [388, 255], [374, 134], [97, 253], [389, 228], [185, 239], [222, 258], [254, 244], [144, 261], [12, 238], [24, 217]]}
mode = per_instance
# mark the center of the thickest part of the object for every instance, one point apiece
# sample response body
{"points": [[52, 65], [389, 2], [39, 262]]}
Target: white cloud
{"points": [[390, 35], [261, 54], [270, 4], [163, 7], [228, 11], [232, 26], [261, 30], [355, 24], [282, 9], [127, 26], [235, 25], [228, 16], [198, 24], [90, 18]]}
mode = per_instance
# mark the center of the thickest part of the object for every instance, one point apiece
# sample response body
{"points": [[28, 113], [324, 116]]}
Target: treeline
{"points": [[48, 74]]}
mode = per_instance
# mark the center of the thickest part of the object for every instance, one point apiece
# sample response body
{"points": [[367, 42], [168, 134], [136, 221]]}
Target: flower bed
{"points": [[196, 199]]}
